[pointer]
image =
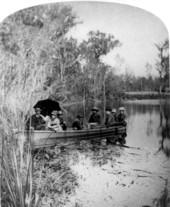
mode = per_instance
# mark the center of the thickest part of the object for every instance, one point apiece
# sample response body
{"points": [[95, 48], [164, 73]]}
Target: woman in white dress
{"points": [[54, 123]]}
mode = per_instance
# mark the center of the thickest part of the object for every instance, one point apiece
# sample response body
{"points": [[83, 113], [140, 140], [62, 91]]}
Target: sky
{"points": [[137, 29]]}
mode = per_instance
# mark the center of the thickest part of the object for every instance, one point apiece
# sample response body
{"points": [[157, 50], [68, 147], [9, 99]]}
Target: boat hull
{"points": [[49, 138]]}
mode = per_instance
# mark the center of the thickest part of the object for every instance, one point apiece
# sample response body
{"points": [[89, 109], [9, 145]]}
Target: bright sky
{"points": [[137, 29]]}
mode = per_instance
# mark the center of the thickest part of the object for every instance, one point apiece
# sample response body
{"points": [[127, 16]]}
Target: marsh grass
{"points": [[17, 175], [16, 105], [16, 161], [29, 178]]}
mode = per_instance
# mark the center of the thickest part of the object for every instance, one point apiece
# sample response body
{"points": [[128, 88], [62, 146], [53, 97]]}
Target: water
{"points": [[116, 176]]}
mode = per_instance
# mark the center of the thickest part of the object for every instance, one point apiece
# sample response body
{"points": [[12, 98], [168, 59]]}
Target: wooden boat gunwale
{"points": [[44, 138]]}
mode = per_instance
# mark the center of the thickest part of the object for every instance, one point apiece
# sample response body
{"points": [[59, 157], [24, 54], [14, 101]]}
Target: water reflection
{"points": [[154, 119], [148, 122], [164, 128], [106, 172]]}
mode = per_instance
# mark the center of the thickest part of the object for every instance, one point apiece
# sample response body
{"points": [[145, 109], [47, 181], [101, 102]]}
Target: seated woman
{"points": [[54, 123]]}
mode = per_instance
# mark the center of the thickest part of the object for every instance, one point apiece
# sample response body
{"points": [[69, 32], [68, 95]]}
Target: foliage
{"points": [[98, 45], [30, 48], [29, 39], [162, 64]]}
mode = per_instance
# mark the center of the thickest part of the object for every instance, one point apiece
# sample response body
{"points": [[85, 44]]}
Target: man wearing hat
{"points": [[114, 114], [94, 118], [36, 121], [110, 121], [78, 123], [121, 116], [54, 123]]}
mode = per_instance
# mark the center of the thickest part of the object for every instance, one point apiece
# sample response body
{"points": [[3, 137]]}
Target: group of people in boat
{"points": [[39, 122], [56, 122], [112, 118]]}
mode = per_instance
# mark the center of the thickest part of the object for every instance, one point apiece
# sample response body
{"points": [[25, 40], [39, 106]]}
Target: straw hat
{"points": [[37, 109], [121, 109], [54, 113], [95, 109], [113, 110], [59, 113]]}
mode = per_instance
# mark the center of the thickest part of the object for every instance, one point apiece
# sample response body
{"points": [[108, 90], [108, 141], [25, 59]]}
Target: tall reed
{"points": [[17, 101]]}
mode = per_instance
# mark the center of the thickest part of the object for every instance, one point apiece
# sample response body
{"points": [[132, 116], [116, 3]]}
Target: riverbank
{"points": [[88, 173], [145, 95]]}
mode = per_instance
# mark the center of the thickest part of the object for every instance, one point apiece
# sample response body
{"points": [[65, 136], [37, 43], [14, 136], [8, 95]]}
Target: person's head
{"points": [[95, 110], [108, 110], [37, 110], [80, 117], [54, 114], [121, 110], [113, 111], [59, 114]]}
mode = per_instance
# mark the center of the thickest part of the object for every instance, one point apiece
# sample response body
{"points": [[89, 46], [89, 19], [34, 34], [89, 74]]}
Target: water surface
{"points": [[111, 175]]}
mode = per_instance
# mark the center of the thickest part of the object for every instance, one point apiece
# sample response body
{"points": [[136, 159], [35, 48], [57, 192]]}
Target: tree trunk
{"points": [[84, 100], [104, 98]]}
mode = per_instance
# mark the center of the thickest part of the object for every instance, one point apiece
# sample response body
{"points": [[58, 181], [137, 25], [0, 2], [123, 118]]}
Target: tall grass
{"points": [[23, 77], [16, 159], [17, 177], [17, 101]]}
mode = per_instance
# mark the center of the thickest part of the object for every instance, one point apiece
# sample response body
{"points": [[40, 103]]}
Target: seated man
{"points": [[54, 123], [94, 118], [36, 121], [114, 114], [62, 122], [110, 120], [121, 116], [78, 123]]}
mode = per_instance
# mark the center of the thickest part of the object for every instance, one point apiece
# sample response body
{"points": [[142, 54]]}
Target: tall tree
{"points": [[98, 45], [162, 64], [149, 74], [32, 44]]}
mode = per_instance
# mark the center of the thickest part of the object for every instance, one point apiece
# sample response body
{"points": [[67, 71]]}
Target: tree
{"points": [[98, 45], [162, 64], [149, 74], [34, 40], [128, 78]]}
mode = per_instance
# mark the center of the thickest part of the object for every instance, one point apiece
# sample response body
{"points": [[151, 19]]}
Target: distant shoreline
{"points": [[142, 95]]}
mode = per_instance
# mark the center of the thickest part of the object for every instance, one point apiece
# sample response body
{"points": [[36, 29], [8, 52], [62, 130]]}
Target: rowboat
{"points": [[45, 138]]}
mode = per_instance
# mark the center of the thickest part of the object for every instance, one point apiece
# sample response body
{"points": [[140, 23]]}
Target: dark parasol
{"points": [[47, 106]]}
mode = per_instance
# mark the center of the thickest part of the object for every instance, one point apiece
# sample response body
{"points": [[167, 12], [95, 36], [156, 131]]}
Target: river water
{"points": [[111, 175]]}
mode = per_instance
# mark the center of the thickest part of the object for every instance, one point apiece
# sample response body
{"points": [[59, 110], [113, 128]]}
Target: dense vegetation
{"points": [[36, 51]]}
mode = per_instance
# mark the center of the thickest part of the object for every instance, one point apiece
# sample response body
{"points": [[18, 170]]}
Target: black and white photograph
{"points": [[84, 106]]}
